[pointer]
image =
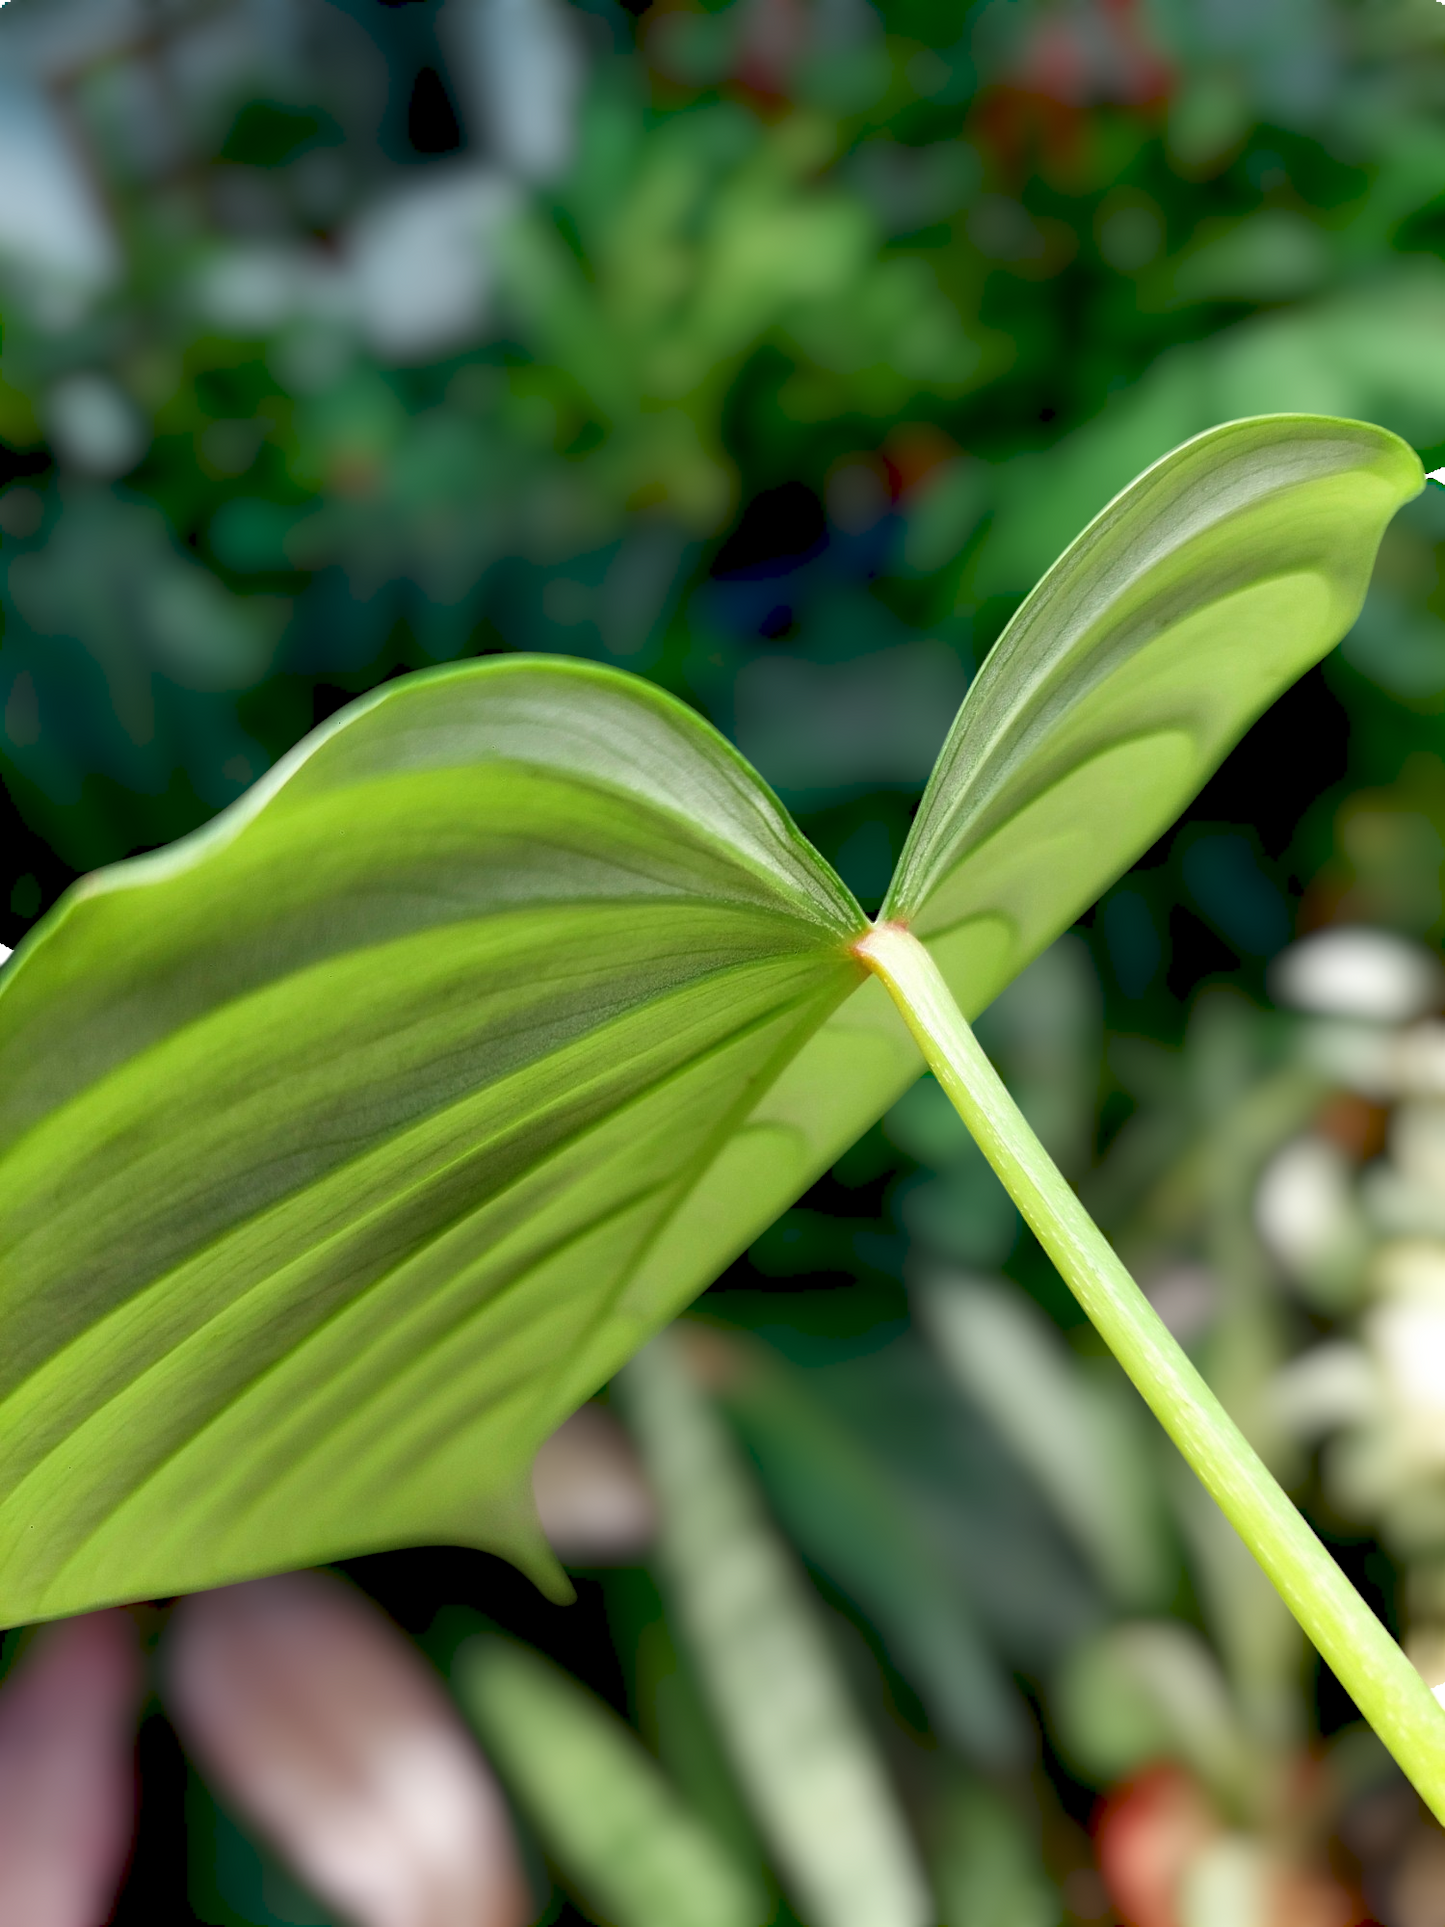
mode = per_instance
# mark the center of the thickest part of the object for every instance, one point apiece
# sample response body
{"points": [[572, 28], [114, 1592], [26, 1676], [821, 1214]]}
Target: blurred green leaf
{"points": [[846, 1515], [804, 1759], [1274, 255], [620, 1833], [1085, 1442], [1252, 1628], [986, 1865], [1366, 351], [1151, 1690]]}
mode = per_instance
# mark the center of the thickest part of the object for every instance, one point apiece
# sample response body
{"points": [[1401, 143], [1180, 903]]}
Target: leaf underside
{"points": [[348, 1144]]}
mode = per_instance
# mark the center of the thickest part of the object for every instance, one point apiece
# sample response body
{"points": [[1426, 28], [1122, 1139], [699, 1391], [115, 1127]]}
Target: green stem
{"points": [[1358, 1649]]}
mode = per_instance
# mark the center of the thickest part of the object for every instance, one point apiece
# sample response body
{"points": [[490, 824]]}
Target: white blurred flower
{"points": [[1231, 1878], [1379, 1400], [1405, 1329], [519, 67], [1359, 973], [1409, 1341], [52, 224], [1386, 1463], [1304, 1209], [1376, 1061], [1332, 1385], [1420, 1060], [1417, 1142], [95, 427], [420, 260], [1405, 1195]]}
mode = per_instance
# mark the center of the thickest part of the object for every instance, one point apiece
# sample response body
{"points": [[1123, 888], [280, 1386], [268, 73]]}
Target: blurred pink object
{"points": [[592, 1498], [308, 1710], [68, 1715]]}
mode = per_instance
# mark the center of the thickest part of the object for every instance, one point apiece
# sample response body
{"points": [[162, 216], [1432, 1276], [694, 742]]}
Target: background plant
{"points": [[1143, 222]]}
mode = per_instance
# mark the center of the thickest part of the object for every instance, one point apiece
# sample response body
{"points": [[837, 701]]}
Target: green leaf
{"points": [[618, 1831], [849, 1518], [338, 1140], [350, 1143], [804, 1760], [1149, 1690], [987, 1864], [1213, 582], [1087, 1451]]}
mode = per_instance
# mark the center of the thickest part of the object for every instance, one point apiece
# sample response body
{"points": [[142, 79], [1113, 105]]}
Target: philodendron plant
{"points": [[350, 1143]]}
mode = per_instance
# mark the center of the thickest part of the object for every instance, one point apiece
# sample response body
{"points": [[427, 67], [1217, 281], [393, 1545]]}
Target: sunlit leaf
{"points": [[349, 1144], [1175, 619], [803, 1757], [342, 1141], [619, 1832]]}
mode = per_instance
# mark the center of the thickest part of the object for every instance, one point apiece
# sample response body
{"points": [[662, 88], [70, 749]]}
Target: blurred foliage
{"points": [[772, 350]]}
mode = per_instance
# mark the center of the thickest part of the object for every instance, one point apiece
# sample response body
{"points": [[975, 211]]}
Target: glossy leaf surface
{"points": [[350, 1143]]}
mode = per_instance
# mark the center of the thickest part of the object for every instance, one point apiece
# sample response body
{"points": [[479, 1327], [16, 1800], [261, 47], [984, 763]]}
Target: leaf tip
{"points": [[510, 1528], [530, 1553]]}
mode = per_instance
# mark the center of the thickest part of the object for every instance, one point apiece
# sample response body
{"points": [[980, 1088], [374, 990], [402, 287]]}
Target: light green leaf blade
{"points": [[617, 1829], [1213, 582], [335, 1140], [1196, 597], [349, 1144], [803, 1757]]}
